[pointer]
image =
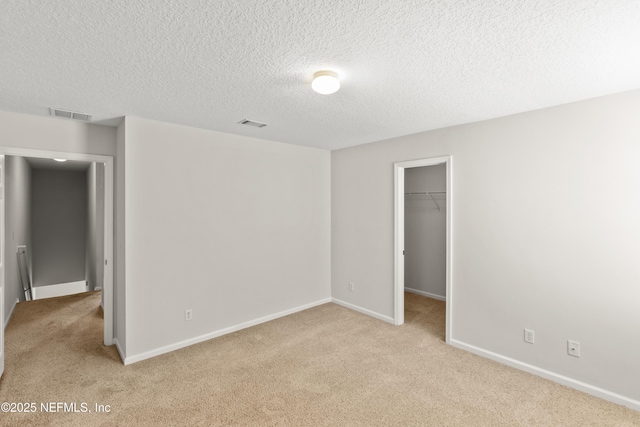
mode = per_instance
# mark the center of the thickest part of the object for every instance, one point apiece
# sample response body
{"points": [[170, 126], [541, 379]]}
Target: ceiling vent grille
{"points": [[56, 112], [252, 123]]}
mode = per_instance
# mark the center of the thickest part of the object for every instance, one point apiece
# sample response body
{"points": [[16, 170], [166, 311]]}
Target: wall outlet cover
{"points": [[529, 336], [573, 348]]}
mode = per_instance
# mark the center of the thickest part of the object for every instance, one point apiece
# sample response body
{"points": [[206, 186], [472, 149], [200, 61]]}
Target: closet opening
{"points": [[423, 236]]}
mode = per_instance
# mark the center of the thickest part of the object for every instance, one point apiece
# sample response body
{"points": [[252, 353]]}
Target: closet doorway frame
{"points": [[399, 199], [107, 287]]}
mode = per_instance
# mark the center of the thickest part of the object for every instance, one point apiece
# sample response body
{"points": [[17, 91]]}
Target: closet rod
{"points": [[429, 193]]}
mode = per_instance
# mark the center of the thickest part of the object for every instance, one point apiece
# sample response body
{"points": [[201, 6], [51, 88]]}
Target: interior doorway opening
{"points": [[441, 198], [54, 213], [106, 239]]}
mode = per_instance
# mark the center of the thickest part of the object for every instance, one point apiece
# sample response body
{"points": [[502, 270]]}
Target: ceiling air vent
{"points": [[252, 123], [56, 112]]}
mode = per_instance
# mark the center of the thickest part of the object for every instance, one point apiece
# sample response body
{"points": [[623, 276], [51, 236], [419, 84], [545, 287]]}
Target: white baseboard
{"points": [[6, 322], [186, 343], [120, 352], [59, 290], [426, 294], [363, 310], [560, 379]]}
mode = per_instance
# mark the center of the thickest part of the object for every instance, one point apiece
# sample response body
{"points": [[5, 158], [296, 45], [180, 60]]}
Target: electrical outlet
{"points": [[351, 286], [529, 336], [188, 314], [573, 348]]}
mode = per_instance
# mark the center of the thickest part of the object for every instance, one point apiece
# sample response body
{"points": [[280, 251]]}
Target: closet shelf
{"points": [[427, 193]]}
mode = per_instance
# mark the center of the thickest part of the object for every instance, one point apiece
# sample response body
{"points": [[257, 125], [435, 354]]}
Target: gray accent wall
{"points": [[17, 226], [58, 226], [425, 240]]}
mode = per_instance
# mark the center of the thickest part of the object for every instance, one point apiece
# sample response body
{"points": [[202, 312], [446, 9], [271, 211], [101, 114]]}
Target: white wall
{"points": [[99, 230], [90, 244], [17, 226], [119, 288], [58, 226], [54, 134], [425, 225], [234, 228], [546, 234]]}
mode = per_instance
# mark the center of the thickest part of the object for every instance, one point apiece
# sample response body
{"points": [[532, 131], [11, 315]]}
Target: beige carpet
{"points": [[324, 366]]}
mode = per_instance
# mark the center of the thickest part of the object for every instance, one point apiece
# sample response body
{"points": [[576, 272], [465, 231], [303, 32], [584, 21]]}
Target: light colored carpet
{"points": [[324, 366]]}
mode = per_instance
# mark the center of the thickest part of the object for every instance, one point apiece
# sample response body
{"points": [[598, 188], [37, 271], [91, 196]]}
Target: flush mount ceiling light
{"points": [[325, 82], [60, 160]]}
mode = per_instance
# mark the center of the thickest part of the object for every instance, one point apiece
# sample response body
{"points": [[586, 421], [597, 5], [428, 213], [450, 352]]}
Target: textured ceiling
{"points": [[406, 66]]}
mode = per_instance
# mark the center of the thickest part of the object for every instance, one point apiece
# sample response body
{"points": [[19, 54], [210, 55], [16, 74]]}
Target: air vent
{"points": [[56, 112], [252, 123]]}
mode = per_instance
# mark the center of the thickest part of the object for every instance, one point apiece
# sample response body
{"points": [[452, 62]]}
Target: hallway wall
{"points": [[17, 226], [58, 226], [94, 260]]}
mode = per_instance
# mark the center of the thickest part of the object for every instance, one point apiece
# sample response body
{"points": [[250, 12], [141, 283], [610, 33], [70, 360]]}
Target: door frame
{"points": [[399, 199], [107, 288]]}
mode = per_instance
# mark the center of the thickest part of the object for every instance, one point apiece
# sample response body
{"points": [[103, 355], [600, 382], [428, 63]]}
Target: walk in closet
{"points": [[425, 231]]}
